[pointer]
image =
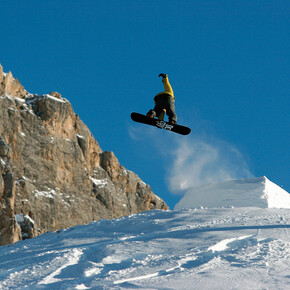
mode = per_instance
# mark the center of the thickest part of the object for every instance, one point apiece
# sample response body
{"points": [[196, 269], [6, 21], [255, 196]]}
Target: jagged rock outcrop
{"points": [[10, 86], [53, 172], [9, 229]]}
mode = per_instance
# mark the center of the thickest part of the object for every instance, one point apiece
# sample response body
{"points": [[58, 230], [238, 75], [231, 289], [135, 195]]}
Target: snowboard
{"points": [[160, 124]]}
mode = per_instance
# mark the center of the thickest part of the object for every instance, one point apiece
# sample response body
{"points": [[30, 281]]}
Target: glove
{"points": [[163, 75]]}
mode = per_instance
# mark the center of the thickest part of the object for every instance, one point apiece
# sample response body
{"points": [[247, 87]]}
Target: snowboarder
{"points": [[164, 103]]}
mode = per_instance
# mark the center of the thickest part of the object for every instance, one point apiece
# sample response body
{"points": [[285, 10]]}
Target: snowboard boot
{"points": [[151, 114], [172, 122]]}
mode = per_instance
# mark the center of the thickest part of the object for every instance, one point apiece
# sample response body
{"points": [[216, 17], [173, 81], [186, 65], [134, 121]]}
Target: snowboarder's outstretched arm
{"points": [[167, 87]]}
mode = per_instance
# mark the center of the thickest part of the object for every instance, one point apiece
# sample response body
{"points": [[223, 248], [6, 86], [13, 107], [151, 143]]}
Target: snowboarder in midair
{"points": [[164, 103]]}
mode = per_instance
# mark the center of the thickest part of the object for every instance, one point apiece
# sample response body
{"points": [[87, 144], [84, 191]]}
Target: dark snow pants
{"points": [[164, 102]]}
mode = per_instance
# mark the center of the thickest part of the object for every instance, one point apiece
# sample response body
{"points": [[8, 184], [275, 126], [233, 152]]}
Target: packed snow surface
{"points": [[202, 248], [259, 192], [221, 248]]}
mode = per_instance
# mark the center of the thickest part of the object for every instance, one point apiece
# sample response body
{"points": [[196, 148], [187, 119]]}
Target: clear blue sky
{"points": [[228, 62]]}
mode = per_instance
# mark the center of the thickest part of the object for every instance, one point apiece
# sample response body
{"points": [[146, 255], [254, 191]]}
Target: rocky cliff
{"points": [[53, 173]]}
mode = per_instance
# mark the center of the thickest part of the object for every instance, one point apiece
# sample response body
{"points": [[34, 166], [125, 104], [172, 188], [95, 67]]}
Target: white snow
{"points": [[259, 192], [100, 183], [13, 109], [221, 248], [21, 179], [224, 244], [205, 248], [21, 217], [48, 194], [19, 99], [56, 99], [6, 96], [72, 258]]}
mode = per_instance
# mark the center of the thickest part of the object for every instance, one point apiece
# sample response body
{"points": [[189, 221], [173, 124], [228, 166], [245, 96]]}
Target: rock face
{"points": [[10, 86], [9, 230], [53, 173]]}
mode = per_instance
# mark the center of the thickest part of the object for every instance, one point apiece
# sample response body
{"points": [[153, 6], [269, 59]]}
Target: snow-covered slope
{"points": [[205, 248], [259, 192], [224, 248]]}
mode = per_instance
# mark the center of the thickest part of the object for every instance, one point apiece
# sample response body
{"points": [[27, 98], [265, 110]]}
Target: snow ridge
{"points": [[259, 192]]}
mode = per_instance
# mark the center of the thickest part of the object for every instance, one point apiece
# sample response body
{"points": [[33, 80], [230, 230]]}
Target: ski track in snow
{"points": [[221, 248]]}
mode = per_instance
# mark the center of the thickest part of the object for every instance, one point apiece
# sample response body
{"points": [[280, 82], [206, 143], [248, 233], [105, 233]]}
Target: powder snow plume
{"points": [[193, 160], [199, 160]]}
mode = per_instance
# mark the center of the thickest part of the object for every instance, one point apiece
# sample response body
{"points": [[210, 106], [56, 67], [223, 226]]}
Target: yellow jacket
{"points": [[167, 88]]}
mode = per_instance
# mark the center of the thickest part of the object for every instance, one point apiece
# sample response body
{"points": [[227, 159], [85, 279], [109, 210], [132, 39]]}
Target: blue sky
{"points": [[228, 63]]}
